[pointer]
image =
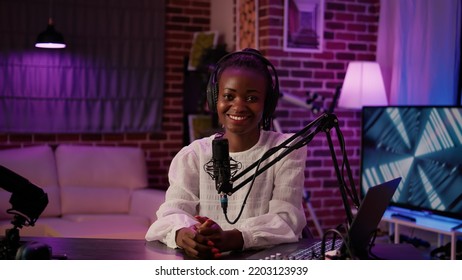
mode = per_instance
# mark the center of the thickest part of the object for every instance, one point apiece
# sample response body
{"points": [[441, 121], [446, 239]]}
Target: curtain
{"points": [[419, 51], [109, 78]]}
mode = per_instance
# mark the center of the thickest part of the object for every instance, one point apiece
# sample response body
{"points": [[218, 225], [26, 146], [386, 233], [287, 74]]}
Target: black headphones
{"points": [[272, 95]]}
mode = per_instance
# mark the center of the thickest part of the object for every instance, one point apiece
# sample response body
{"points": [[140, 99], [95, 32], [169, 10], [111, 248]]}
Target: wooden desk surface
{"points": [[115, 249], [107, 249], [123, 249]]}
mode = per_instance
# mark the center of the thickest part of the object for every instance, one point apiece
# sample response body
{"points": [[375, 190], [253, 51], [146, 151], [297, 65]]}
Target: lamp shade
{"points": [[363, 86], [50, 38]]}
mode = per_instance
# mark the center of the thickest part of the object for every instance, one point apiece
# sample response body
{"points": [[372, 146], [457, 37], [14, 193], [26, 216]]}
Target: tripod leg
{"points": [[9, 244]]}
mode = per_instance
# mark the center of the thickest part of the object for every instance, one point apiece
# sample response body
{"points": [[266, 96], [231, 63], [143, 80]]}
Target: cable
{"points": [[335, 233], [350, 191], [254, 176]]}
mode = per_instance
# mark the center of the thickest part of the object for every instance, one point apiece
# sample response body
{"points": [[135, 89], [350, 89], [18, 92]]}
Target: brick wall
{"points": [[350, 34]]}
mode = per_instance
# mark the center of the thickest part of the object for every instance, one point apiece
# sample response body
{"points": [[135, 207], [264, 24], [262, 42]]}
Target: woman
{"points": [[242, 92]]}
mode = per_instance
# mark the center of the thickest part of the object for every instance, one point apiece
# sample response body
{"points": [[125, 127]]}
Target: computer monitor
{"points": [[421, 144]]}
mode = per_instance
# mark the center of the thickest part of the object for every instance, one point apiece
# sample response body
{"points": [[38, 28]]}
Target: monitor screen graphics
{"points": [[421, 144]]}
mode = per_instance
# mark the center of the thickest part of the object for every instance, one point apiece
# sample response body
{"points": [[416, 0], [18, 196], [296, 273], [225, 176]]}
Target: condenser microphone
{"points": [[221, 166]]}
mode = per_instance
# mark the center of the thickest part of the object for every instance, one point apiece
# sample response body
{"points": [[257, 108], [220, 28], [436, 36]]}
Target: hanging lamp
{"points": [[50, 38]]}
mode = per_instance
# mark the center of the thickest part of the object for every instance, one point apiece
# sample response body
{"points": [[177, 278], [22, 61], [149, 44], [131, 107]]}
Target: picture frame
{"points": [[200, 125], [304, 26], [202, 41], [246, 24]]}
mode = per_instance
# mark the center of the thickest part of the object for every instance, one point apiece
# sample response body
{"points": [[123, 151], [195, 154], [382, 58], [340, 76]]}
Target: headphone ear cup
{"points": [[269, 108], [272, 97], [212, 94]]}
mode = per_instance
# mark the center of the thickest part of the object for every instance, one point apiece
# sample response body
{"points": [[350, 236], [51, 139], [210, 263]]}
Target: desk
{"points": [[115, 249], [433, 223], [122, 249], [107, 249]]}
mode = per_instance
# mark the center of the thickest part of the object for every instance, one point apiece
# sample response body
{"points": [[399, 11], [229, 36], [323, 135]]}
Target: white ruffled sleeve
{"points": [[181, 199]]}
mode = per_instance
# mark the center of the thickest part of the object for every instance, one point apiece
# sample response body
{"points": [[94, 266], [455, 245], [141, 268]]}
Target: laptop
{"points": [[359, 236]]}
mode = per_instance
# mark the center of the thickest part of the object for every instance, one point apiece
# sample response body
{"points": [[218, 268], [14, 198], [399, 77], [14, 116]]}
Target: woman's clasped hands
{"points": [[202, 240]]}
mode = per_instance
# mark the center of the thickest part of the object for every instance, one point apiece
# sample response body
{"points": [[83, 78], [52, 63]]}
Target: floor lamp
{"points": [[363, 86]]}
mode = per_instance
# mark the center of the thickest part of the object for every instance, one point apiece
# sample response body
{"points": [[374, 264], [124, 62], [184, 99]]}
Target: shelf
{"points": [[424, 221]]}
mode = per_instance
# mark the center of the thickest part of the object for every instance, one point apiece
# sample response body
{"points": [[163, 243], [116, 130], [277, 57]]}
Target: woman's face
{"points": [[241, 100]]}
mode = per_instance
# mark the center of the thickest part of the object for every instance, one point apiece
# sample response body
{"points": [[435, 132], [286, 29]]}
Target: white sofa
{"points": [[93, 191]]}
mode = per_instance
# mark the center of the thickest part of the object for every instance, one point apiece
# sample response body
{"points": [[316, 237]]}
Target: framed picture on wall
{"points": [[247, 24], [303, 25], [200, 126], [202, 41]]}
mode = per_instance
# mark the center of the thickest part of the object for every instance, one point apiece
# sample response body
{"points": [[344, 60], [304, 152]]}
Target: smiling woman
{"points": [[244, 94], [240, 104], [110, 77], [259, 64]]}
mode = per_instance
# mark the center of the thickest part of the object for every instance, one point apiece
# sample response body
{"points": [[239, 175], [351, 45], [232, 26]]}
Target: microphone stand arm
{"points": [[324, 123], [344, 190], [303, 140]]}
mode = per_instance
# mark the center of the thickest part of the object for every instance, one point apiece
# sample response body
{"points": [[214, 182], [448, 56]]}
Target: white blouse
{"points": [[273, 213]]}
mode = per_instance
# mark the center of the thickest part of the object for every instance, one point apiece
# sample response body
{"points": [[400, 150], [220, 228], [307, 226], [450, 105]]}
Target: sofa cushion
{"points": [[97, 179], [87, 226], [97, 226], [146, 202], [83, 200], [36, 164]]}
